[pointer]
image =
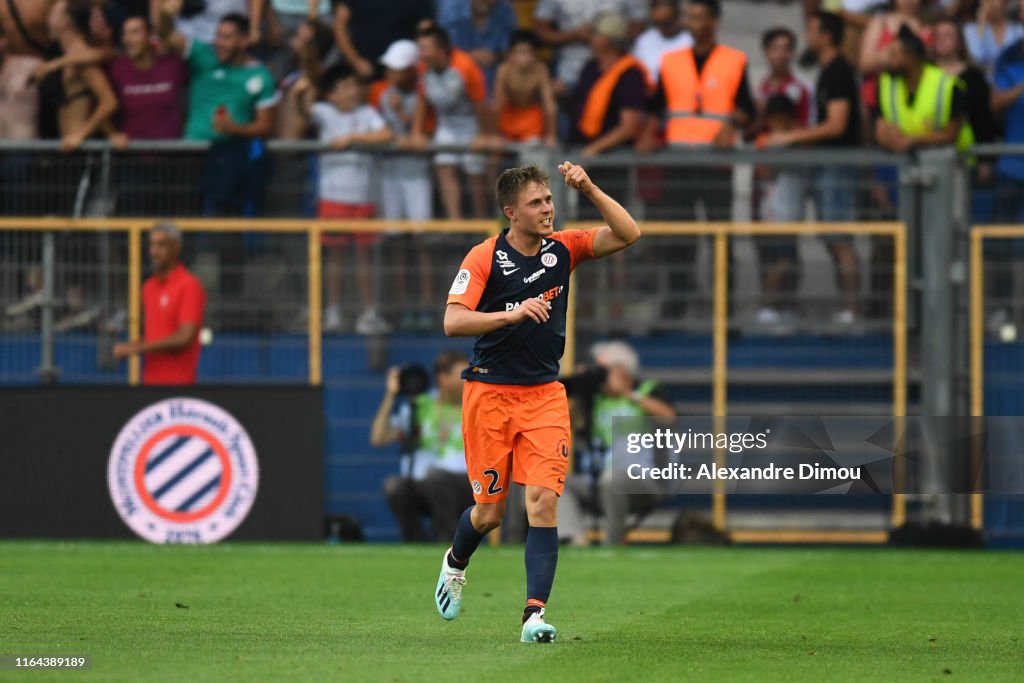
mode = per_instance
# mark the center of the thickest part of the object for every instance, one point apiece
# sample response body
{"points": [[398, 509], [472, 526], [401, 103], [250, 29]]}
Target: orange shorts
{"points": [[515, 434], [329, 209]]}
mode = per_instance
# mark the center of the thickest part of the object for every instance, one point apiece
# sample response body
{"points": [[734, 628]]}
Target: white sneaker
{"points": [[768, 316], [370, 322], [535, 630], [448, 594], [844, 317], [332, 320]]}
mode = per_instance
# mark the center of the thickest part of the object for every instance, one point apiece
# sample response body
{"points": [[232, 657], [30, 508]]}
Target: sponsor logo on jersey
{"points": [[548, 295], [533, 278]]}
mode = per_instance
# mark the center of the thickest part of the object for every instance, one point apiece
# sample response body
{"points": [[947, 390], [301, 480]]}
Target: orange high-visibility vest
{"points": [[600, 96], [696, 106]]}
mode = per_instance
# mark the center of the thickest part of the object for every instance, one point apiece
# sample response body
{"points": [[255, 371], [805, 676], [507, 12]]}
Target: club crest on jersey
{"points": [[477, 488], [549, 259]]}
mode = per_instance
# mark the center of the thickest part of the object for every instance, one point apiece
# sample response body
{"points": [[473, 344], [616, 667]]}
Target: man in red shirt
{"points": [[173, 301]]}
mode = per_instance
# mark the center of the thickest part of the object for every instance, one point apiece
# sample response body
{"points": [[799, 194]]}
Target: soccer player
{"points": [[511, 294]]}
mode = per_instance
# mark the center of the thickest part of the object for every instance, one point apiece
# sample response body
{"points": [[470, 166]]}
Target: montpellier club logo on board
{"points": [[183, 471]]}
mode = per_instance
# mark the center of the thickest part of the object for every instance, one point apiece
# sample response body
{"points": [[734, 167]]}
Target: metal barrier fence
{"points": [[780, 313], [277, 308], [996, 352]]}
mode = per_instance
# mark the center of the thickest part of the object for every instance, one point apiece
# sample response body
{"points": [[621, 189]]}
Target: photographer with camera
{"points": [[428, 425], [608, 390]]}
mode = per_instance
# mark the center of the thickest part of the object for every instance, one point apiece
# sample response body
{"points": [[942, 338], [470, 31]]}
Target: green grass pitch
{"points": [[244, 612]]}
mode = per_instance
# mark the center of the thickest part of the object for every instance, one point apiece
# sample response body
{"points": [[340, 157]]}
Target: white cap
{"points": [[401, 54]]}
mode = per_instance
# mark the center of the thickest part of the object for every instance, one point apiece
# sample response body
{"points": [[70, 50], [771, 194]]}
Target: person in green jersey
{"points": [[432, 478], [620, 394], [232, 103]]}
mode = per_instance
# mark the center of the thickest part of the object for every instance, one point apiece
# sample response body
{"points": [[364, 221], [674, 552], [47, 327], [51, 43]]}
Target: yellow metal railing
{"points": [[719, 232], [313, 229], [977, 344]]}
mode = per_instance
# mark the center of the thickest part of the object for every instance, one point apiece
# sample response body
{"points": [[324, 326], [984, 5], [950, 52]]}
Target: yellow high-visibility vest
{"points": [[931, 107]]}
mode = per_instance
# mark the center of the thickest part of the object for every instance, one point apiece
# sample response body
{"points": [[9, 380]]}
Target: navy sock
{"points": [[467, 538], [541, 560]]}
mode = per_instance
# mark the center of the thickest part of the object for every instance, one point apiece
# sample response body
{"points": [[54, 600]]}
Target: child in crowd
{"points": [[347, 186], [406, 190], [523, 93], [781, 201]]}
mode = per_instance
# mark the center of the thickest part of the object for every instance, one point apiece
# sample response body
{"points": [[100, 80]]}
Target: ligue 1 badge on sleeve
{"points": [[183, 471]]}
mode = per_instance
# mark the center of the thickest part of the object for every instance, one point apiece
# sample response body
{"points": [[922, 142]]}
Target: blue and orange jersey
{"points": [[496, 277]]}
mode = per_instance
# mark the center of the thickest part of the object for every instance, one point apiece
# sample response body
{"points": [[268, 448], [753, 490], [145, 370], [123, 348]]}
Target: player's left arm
{"points": [[621, 230]]}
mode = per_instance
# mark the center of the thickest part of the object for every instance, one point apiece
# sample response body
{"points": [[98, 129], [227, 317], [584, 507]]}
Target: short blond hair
{"points": [[514, 180]]}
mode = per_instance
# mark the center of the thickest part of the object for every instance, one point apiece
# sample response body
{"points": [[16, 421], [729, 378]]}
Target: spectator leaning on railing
{"points": [[702, 99], [80, 95], [149, 87], [309, 47], [1008, 99], [348, 186], [524, 96], [232, 102], [838, 125], [19, 94], [406, 188], [607, 107], [452, 85], [19, 114], [786, 103], [920, 105]]}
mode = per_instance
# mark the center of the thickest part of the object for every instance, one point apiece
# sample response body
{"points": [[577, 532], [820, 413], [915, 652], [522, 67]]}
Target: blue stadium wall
{"points": [[353, 470]]}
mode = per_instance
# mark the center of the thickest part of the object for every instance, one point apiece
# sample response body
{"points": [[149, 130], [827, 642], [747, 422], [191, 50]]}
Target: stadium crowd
{"points": [[580, 72], [475, 75]]}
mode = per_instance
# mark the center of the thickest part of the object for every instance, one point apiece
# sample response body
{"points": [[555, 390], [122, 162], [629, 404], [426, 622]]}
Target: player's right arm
{"points": [[460, 321]]}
